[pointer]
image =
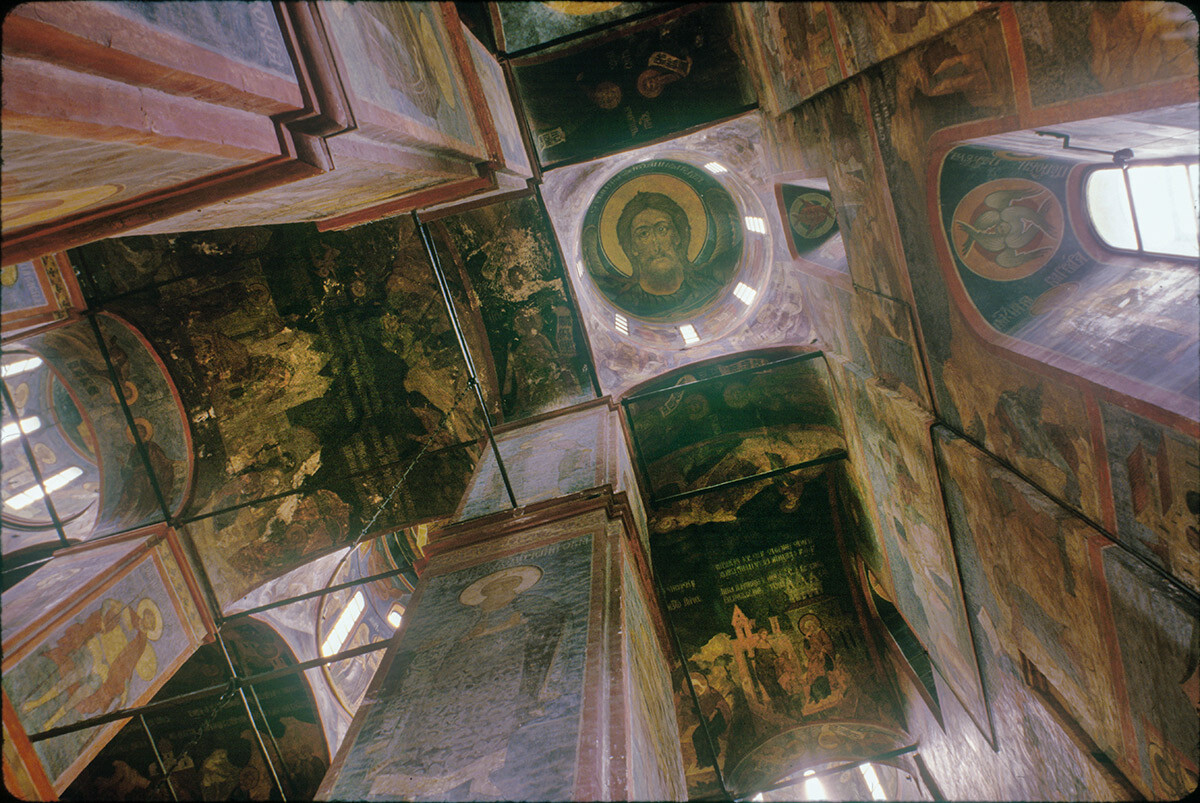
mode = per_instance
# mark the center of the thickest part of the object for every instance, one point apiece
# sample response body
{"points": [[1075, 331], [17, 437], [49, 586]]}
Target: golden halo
{"points": [[676, 189], [806, 618], [37, 207], [147, 605], [473, 594], [145, 429], [437, 60], [578, 8]]}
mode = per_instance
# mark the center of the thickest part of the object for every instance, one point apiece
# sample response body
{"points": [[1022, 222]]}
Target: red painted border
{"points": [[112, 221], [1016, 59], [95, 39], [442, 193], [1103, 474], [837, 42], [618, 709], [189, 577], [29, 759], [592, 745]]}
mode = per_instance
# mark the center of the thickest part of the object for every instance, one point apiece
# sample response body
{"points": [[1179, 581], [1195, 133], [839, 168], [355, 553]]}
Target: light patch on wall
{"points": [[26, 425], [756, 224], [745, 293], [689, 334], [52, 484], [715, 167], [622, 324]]}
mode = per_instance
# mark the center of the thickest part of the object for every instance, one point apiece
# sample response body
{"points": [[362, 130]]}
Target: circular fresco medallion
{"points": [[811, 215], [1006, 229], [661, 239]]}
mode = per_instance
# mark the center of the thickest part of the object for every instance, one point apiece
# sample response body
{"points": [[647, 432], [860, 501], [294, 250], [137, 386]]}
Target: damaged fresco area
{"points": [[313, 367], [1033, 590], [664, 75], [1155, 475], [512, 279], [762, 607]]}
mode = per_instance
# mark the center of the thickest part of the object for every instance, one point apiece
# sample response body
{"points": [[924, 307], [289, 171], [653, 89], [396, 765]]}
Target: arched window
{"points": [[1077, 247], [1145, 208]]}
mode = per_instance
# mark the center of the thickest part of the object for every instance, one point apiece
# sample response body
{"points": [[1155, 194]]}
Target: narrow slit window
{"points": [[26, 425], [344, 624], [52, 484]]}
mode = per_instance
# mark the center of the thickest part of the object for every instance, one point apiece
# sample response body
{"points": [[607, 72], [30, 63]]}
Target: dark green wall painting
{"points": [[312, 364], [661, 239], [512, 279], [762, 608], [521, 26], [811, 222], [704, 432], [632, 85]]}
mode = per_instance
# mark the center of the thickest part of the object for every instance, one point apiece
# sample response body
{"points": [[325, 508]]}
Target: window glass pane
{"points": [[1194, 182], [1163, 203], [1109, 208]]}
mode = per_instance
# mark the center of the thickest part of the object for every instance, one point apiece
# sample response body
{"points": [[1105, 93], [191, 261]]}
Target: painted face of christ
{"points": [[654, 232]]}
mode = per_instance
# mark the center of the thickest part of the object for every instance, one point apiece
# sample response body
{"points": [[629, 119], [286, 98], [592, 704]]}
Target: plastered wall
{"points": [[1000, 491]]}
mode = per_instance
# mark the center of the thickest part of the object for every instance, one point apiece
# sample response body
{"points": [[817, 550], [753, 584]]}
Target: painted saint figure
{"points": [[654, 232], [819, 661], [95, 660], [661, 239], [491, 697]]}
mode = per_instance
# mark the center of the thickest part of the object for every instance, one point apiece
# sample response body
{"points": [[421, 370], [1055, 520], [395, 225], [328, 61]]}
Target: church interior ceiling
{"points": [[906, 477]]}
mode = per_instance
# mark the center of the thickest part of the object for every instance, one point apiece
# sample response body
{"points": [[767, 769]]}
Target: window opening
{"points": [[1146, 209], [868, 774], [813, 788], [20, 366], [52, 484], [26, 425], [345, 623]]}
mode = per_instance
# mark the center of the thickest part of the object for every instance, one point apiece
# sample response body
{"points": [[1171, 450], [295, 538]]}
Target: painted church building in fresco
{"points": [[600, 401]]}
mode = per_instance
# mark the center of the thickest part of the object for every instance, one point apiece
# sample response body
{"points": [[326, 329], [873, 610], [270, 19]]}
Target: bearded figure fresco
{"points": [[661, 239]]}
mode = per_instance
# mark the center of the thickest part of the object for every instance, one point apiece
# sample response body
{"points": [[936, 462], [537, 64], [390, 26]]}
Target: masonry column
{"points": [[531, 664]]}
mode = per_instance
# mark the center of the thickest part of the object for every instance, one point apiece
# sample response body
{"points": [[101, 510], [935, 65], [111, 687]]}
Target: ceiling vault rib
{"points": [[318, 593]]}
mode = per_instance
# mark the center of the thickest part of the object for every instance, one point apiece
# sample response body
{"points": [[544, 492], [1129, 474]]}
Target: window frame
{"points": [[1140, 250]]}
